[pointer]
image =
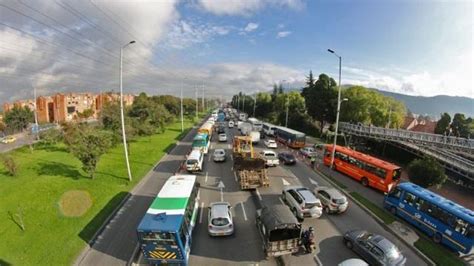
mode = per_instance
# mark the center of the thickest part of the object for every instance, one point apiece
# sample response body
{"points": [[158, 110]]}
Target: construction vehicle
{"points": [[249, 166]]}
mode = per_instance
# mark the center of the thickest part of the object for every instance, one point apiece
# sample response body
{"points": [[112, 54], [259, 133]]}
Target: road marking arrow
{"points": [[221, 186], [313, 182], [285, 183]]}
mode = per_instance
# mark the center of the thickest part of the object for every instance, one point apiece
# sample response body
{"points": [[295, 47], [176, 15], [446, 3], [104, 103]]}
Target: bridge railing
{"points": [[407, 135]]}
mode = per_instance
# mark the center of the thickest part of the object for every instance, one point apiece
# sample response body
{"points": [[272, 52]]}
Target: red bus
{"points": [[370, 171]]}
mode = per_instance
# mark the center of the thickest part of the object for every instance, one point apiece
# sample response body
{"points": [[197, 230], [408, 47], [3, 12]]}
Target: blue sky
{"points": [[417, 47]]}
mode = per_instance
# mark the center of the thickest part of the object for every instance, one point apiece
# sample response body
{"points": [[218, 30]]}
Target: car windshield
{"points": [[269, 154], [339, 200], [191, 161], [289, 156], [220, 221]]}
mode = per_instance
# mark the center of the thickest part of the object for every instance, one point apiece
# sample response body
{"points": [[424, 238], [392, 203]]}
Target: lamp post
{"points": [[338, 108], [197, 102], [287, 103], [254, 104], [243, 104], [182, 120], [121, 113]]}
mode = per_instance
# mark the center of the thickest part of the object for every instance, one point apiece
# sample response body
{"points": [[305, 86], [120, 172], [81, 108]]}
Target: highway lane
{"points": [[355, 217]]}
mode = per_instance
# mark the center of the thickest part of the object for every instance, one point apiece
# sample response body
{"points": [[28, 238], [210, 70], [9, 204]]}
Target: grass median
{"points": [[437, 253], [381, 213], [59, 206]]}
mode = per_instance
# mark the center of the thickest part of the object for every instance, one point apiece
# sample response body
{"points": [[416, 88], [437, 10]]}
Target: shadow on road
{"points": [[327, 252]]}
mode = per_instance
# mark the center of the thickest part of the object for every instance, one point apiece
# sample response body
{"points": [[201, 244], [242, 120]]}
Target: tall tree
{"points": [[460, 125], [321, 100], [18, 118], [443, 124], [264, 105], [426, 172]]}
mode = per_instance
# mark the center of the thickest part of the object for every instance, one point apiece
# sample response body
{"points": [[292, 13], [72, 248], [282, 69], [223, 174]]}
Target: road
{"points": [[117, 243], [22, 139]]}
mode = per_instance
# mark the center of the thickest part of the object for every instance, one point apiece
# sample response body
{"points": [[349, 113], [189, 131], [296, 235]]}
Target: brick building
{"points": [[67, 107], [419, 124]]}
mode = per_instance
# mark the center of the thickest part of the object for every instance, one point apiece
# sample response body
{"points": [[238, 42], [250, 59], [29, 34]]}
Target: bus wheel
{"points": [[437, 238], [364, 181], [393, 210]]}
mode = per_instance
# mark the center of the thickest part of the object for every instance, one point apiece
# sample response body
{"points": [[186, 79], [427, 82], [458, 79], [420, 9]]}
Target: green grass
{"points": [[437, 253], [44, 175], [335, 181], [381, 213]]}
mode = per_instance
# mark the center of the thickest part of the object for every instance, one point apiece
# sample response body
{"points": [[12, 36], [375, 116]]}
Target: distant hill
{"points": [[434, 106]]}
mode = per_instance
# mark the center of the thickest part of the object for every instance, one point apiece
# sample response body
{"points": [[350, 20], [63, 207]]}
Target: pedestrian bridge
{"points": [[455, 154]]}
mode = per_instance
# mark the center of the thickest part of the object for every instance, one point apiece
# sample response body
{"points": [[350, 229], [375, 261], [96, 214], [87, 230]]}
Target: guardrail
{"points": [[410, 136]]}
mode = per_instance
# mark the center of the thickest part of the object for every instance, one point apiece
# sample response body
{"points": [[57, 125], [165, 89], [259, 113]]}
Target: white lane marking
{"points": [[235, 177], [243, 210], [258, 194], [205, 180], [313, 182], [285, 183], [199, 194], [231, 157], [209, 158], [228, 146], [212, 146], [318, 261], [221, 186], [200, 213], [281, 200]]}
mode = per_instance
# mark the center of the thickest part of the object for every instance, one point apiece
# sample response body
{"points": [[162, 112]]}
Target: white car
{"points": [[307, 151], [302, 202], [222, 137], [219, 155], [231, 124], [270, 144], [220, 222], [270, 157]]}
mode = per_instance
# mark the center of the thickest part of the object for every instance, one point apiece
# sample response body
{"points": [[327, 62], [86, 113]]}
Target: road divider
{"points": [[258, 195], [205, 180], [243, 210], [221, 186], [200, 213]]}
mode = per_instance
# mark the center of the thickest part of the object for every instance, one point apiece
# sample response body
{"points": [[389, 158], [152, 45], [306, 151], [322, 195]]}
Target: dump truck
{"points": [[249, 167]]}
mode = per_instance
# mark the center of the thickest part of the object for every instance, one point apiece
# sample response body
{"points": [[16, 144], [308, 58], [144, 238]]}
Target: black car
{"points": [[220, 130], [286, 158]]}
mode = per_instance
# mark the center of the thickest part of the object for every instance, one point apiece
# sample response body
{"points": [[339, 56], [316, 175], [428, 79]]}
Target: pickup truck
{"points": [[270, 157]]}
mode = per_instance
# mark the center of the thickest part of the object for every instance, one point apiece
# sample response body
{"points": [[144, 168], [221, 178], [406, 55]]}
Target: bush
{"points": [[10, 165], [51, 136], [426, 172]]}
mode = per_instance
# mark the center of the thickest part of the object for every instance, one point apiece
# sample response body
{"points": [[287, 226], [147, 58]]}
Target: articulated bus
{"points": [[201, 142], [290, 137], [370, 171], [445, 221], [256, 124], [165, 232], [207, 129]]}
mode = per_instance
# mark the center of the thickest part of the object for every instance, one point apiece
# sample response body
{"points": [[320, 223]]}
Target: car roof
{"points": [[268, 151], [219, 209], [382, 242], [334, 193], [219, 150], [307, 194]]}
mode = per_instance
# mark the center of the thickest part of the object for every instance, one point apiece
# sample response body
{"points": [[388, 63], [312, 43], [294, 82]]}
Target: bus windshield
{"points": [[396, 174]]}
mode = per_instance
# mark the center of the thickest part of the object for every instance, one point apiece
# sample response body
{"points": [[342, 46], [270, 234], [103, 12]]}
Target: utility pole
{"points": [[254, 104], [182, 120], [243, 104], [197, 102], [287, 104], [338, 108], [36, 114], [203, 103]]}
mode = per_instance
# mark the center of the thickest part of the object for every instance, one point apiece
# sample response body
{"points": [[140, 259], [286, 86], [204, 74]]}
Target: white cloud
{"points": [[251, 27], [245, 7], [183, 34], [283, 34]]}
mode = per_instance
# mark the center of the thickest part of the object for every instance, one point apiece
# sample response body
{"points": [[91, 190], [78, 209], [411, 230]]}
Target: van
{"points": [[194, 161]]}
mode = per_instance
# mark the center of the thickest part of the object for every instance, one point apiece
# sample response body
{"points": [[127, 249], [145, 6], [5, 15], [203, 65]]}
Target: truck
{"points": [[255, 135], [279, 229], [250, 168], [245, 128]]}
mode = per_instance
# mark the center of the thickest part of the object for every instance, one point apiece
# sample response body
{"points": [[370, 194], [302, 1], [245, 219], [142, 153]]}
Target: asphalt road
{"points": [[117, 243], [22, 139]]}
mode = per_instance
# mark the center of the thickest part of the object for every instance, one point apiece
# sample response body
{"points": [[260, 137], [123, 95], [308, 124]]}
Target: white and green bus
{"points": [[165, 232]]}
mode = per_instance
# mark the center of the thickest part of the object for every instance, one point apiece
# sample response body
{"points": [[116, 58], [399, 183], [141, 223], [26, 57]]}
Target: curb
{"points": [[379, 221], [91, 242]]}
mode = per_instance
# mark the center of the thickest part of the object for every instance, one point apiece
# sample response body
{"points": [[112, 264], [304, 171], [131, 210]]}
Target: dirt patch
{"points": [[75, 203]]}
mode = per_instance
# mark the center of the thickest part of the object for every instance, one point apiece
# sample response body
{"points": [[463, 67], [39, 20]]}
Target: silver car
{"points": [[220, 222], [219, 155], [302, 202], [333, 200]]}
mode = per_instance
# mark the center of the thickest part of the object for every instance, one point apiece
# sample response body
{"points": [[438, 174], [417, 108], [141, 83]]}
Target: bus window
{"points": [[409, 198], [395, 193], [461, 226], [470, 232], [161, 237], [396, 174]]}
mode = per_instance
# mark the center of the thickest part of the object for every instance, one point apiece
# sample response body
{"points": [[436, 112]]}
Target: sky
{"points": [[416, 47]]}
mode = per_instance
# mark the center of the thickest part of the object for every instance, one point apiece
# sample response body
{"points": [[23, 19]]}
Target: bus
{"points": [[269, 129], [256, 124], [446, 222], [290, 137], [201, 142], [165, 232], [207, 129], [370, 171]]}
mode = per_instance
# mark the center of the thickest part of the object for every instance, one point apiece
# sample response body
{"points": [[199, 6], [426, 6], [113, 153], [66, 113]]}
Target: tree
{"points": [[309, 83], [426, 172], [2, 126], [87, 113], [51, 136], [460, 125], [280, 88], [10, 165], [264, 105], [321, 100], [443, 124], [18, 118], [88, 144]]}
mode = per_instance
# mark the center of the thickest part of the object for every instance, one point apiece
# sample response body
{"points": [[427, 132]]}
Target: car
{"points": [[270, 157], [231, 124], [307, 151], [287, 158], [374, 249], [220, 129], [219, 155], [302, 202], [220, 222], [270, 143], [8, 139], [333, 200], [222, 137], [353, 262]]}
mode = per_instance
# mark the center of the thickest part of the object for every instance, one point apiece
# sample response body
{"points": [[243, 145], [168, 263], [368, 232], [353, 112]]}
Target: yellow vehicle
{"points": [[9, 139], [250, 169]]}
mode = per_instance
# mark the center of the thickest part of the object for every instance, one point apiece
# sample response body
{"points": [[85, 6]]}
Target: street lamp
{"points": [[254, 104], [182, 121], [338, 108], [121, 113]]}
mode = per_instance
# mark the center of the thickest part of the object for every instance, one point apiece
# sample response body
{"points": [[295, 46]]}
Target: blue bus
{"points": [[201, 142], [165, 232], [445, 221]]}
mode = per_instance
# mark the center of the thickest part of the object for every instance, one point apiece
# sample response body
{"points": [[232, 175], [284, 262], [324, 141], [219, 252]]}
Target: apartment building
{"points": [[68, 106]]}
